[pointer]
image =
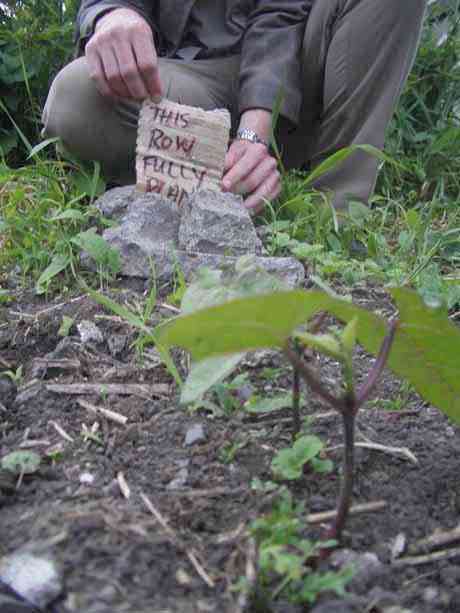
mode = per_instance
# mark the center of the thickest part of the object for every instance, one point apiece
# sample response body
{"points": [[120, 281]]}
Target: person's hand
{"points": [[122, 58], [250, 170]]}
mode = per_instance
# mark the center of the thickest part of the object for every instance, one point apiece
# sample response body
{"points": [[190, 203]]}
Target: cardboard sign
{"points": [[180, 149]]}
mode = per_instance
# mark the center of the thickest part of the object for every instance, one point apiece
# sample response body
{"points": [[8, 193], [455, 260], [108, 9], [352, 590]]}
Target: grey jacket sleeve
{"points": [[271, 56], [91, 10]]}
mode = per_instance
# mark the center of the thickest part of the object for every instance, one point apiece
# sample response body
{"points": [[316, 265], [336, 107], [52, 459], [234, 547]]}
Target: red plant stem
{"points": [[346, 489], [295, 403], [377, 370], [311, 379]]}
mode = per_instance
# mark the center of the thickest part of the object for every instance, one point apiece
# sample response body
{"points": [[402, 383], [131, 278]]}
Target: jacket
{"points": [[268, 35]]}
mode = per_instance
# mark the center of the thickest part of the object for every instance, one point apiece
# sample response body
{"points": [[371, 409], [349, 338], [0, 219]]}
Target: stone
{"points": [[114, 202], [89, 332], [147, 239], [32, 576], [195, 434], [367, 566], [179, 480], [217, 224], [180, 149], [117, 343]]}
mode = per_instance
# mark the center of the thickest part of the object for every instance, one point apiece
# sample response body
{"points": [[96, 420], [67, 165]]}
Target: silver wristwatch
{"points": [[251, 136]]}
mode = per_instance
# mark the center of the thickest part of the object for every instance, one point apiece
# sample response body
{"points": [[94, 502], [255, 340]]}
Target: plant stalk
{"points": [[346, 489], [311, 380], [379, 365], [295, 404]]}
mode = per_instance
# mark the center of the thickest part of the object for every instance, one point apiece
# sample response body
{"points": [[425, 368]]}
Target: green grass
{"points": [[409, 236]]}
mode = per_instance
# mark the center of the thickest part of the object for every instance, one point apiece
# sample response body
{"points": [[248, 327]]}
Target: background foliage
{"points": [[35, 41], [410, 235]]}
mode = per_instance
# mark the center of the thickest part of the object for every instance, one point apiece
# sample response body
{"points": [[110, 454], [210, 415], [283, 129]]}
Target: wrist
{"points": [[251, 136], [258, 121]]}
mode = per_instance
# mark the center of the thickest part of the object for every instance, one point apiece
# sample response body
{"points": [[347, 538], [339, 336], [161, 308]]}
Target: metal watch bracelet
{"points": [[251, 136]]}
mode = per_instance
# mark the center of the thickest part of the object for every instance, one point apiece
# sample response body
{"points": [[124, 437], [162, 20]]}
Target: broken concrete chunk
{"points": [[114, 202], [147, 238], [34, 577], [195, 434], [180, 149], [217, 223], [89, 332], [149, 224]]}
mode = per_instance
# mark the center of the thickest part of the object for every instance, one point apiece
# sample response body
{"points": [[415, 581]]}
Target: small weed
{"points": [[15, 375], [289, 464], [227, 453], [286, 559]]}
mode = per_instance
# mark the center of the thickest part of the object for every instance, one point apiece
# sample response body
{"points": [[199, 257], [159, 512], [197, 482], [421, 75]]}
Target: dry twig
{"points": [[436, 540], [61, 431], [117, 389], [358, 509], [437, 556], [119, 419], [400, 452]]}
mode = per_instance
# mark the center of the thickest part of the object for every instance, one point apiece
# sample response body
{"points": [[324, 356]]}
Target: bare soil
{"points": [[115, 554]]}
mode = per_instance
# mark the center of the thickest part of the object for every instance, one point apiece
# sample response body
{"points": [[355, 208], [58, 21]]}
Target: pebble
{"points": [[89, 332], [35, 577], [86, 479], [430, 595], [195, 434], [179, 481], [117, 343], [367, 566]]}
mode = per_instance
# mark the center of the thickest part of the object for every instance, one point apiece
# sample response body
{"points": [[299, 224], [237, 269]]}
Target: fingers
{"points": [[147, 64], [97, 74], [267, 191], [252, 170], [243, 157], [122, 58]]}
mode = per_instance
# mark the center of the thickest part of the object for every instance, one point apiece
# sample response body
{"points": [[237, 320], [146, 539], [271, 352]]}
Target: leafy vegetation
{"points": [[408, 238]]}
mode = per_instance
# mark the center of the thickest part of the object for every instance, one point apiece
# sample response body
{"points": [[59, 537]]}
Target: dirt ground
{"points": [[112, 545]]}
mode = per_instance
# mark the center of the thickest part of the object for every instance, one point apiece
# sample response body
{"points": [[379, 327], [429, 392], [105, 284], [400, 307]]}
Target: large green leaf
{"points": [[425, 350], [59, 263], [203, 375], [242, 325]]}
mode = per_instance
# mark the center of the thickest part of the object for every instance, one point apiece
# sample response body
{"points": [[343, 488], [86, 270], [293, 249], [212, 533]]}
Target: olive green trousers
{"points": [[356, 57]]}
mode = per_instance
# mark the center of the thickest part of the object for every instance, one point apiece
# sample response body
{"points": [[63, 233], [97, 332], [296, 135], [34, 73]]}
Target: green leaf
{"points": [[72, 214], [57, 265], [288, 463], [203, 375], [324, 343], [240, 325], [66, 325], [98, 248], [21, 462], [123, 312], [259, 405], [426, 351], [341, 156], [348, 336], [42, 146]]}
